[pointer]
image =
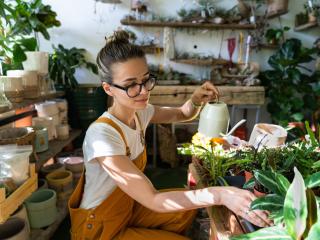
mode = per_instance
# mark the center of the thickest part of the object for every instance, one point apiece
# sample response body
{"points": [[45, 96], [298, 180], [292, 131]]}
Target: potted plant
{"points": [[300, 214], [275, 35], [63, 63], [289, 84]]}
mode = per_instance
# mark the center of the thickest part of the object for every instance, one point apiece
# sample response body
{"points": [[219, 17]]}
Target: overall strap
{"points": [[115, 126]]}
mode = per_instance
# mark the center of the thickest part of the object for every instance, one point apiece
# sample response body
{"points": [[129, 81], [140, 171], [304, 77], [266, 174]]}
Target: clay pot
{"points": [[258, 194], [14, 229], [41, 207], [61, 182], [247, 175]]}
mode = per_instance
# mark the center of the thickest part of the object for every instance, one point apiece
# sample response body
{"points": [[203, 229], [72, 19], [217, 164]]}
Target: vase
{"points": [[214, 119]]}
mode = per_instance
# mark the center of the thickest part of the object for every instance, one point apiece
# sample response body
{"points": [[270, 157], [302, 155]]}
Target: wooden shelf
{"points": [[305, 26], [201, 62], [55, 146], [232, 95], [276, 14], [48, 232], [187, 25], [151, 49]]}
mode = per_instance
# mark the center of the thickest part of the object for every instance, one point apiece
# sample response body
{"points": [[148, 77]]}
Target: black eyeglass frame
{"points": [[140, 85]]}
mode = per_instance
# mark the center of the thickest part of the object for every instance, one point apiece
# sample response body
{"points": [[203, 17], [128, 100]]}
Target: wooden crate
{"points": [[232, 95], [223, 222], [10, 204]]}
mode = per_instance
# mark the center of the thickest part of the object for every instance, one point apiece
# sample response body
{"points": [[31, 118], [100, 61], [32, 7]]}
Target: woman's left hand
{"points": [[205, 93]]}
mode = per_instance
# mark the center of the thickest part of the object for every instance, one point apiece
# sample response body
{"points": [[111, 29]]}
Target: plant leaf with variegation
{"points": [[275, 233], [270, 202]]}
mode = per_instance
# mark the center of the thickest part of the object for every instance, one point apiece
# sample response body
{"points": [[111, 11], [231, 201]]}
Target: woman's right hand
{"points": [[238, 201]]}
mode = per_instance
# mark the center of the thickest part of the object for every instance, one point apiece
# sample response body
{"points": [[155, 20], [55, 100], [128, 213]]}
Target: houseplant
{"points": [[63, 63], [289, 85], [301, 219], [275, 35]]}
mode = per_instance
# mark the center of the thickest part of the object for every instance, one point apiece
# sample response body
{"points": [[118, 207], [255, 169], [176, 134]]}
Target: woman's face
{"points": [[128, 74]]}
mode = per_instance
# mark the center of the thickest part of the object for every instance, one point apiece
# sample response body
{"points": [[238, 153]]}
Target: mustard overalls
{"points": [[121, 217]]}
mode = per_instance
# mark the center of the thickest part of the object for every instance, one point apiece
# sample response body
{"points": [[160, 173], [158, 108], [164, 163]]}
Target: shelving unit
{"points": [[55, 146], [26, 103], [305, 26], [187, 25], [151, 49], [201, 62], [277, 14]]}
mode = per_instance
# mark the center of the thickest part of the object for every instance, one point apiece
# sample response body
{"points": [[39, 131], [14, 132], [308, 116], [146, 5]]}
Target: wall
{"points": [[85, 23]]}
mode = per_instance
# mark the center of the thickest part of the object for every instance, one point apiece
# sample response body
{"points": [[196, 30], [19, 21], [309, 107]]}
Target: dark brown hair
{"points": [[117, 49]]}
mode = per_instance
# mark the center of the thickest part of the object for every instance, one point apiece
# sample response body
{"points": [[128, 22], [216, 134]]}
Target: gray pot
{"points": [[14, 229], [41, 207]]}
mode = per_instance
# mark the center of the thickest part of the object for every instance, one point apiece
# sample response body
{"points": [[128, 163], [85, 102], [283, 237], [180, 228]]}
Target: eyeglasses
{"points": [[134, 89]]}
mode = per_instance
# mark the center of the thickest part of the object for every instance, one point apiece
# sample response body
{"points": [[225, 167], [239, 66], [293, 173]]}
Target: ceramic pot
{"points": [[61, 182], [41, 208], [45, 170], [267, 135], [42, 183], [48, 123], [21, 212], [74, 164], [214, 119], [37, 61], [14, 229], [29, 78], [41, 142]]}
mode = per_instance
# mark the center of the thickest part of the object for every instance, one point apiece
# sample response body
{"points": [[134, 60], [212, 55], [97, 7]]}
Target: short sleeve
{"points": [[102, 140], [146, 115]]}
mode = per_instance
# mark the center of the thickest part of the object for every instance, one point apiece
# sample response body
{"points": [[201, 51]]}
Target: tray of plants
{"points": [[277, 174]]}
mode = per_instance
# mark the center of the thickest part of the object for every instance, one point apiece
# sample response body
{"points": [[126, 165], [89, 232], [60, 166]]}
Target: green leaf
{"points": [[249, 184], [283, 183], [30, 44], [313, 139], [313, 180], [312, 211], [270, 202], [314, 232], [18, 54], [275, 233], [295, 207], [267, 179]]}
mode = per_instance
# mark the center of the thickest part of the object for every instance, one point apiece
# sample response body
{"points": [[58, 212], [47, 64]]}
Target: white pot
{"points": [[29, 78], [12, 84], [267, 135], [214, 119], [37, 61]]}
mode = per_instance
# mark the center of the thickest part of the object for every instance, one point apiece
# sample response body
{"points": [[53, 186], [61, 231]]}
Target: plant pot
{"points": [[61, 182], [41, 141], [14, 229], [257, 193], [248, 175], [21, 212], [37, 61], [42, 183], [52, 168], [41, 207], [74, 164]]}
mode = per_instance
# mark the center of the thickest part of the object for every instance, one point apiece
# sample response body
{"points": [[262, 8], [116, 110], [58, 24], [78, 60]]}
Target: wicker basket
{"points": [[19, 136]]}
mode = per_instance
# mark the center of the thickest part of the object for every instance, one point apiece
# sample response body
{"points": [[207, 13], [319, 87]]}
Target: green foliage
{"points": [[63, 64], [300, 214], [288, 87], [275, 35]]}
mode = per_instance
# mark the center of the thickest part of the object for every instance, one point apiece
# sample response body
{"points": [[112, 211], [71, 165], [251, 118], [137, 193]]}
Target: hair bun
{"points": [[119, 36]]}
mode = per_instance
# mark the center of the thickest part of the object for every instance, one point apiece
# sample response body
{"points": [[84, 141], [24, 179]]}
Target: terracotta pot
{"points": [[257, 193], [247, 175], [52, 168], [14, 229]]}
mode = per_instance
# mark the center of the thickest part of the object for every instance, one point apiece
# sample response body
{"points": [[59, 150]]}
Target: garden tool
{"points": [[241, 38]]}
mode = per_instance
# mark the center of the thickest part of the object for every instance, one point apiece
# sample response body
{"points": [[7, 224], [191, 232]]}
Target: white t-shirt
{"points": [[103, 140]]}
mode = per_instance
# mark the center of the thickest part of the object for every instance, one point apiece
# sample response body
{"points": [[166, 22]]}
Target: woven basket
{"points": [[19, 136]]}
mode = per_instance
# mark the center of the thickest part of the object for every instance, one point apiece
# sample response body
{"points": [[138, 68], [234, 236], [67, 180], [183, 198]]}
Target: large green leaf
{"points": [[18, 54], [295, 207], [283, 183], [312, 211], [313, 180], [249, 184], [270, 202], [271, 233], [267, 179]]}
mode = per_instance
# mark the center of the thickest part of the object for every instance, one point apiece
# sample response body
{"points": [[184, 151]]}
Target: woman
{"points": [[115, 200]]}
